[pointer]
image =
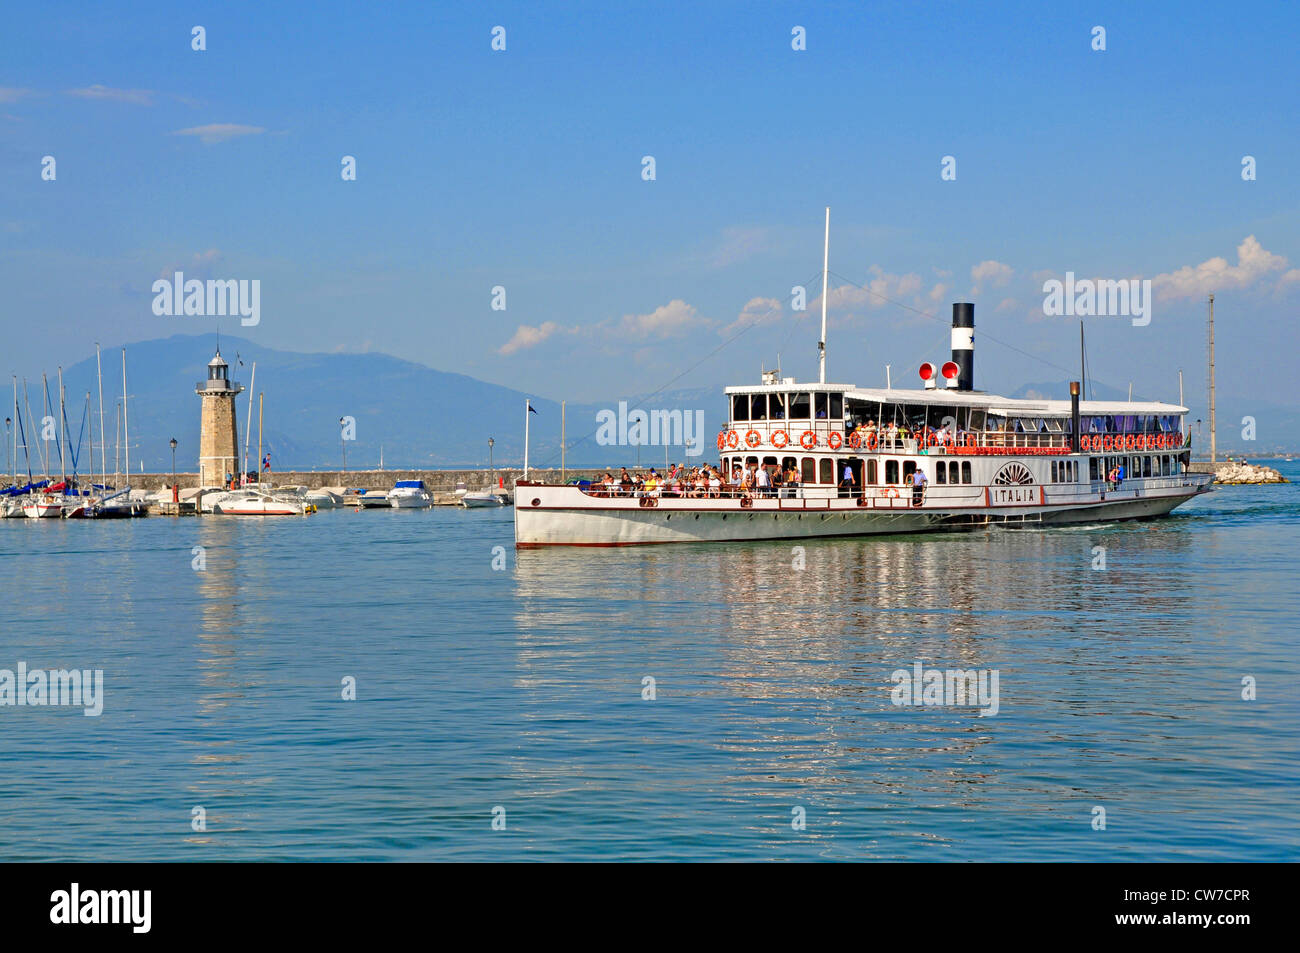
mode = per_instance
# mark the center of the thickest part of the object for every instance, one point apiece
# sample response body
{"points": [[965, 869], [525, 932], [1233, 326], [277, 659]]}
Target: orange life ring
{"points": [[1108, 442], [834, 441], [733, 439], [753, 438], [871, 440], [808, 440], [855, 440], [970, 440], [1130, 442], [891, 493], [784, 439], [1085, 443], [722, 440]]}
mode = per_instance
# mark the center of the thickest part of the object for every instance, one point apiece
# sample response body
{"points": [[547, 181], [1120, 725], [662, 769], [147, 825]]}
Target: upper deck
{"points": [[784, 413]]}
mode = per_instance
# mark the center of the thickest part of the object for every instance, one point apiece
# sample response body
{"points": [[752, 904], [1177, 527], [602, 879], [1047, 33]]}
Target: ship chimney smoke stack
{"points": [[963, 343]]}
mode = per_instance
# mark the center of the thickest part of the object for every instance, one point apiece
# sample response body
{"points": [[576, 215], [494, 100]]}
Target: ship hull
{"points": [[565, 516]]}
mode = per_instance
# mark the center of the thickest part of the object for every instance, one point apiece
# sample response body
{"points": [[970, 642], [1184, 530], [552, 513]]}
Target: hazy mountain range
{"points": [[415, 415]]}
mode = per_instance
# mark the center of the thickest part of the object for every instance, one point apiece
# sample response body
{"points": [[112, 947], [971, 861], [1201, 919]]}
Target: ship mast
{"points": [[826, 262]]}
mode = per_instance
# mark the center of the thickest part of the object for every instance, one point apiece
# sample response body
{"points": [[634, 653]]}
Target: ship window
{"points": [[1166, 468], [769, 461], [789, 463], [965, 471], [819, 405], [809, 474], [1146, 467], [940, 474], [776, 404], [871, 471], [1055, 426], [751, 461], [758, 407], [799, 407], [909, 467], [837, 406], [740, 407], [891, 471], [995, 422], [954, 472], [1092, 469], [827, 470], [1054, 480]]}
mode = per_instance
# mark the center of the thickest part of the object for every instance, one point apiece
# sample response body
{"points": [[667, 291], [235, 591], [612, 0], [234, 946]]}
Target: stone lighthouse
{"points": [[218, 433]]}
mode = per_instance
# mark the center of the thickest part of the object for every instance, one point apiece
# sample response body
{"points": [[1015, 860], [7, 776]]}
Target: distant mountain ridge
{"points": [[416, 416]]}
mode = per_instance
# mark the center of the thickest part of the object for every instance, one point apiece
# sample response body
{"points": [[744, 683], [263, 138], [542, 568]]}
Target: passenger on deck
{"points": [[847, 481], [918, 485]]}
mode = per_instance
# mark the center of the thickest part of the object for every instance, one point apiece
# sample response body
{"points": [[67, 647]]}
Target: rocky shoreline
{"points": [[1236, 472]]}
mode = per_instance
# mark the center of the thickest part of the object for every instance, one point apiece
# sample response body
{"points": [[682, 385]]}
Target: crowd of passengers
{"points": [[703, 482]]}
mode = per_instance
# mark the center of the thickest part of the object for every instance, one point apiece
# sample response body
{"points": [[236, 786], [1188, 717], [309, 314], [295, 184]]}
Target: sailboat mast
{"points": [[45, 444], [248, 428], [126, 427], [259, 440], [826, 268], [103, 459], [63, 436], [17, 426], [31, 423]]}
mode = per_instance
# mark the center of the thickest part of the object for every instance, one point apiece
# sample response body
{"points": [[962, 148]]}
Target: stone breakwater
{"points": [[1231, 472]]}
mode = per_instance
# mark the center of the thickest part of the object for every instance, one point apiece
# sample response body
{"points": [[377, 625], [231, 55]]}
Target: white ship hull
{"points": [[566, 516]]}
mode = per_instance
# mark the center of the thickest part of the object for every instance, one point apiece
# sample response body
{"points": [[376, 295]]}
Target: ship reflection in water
{"points": [[772, 668]]}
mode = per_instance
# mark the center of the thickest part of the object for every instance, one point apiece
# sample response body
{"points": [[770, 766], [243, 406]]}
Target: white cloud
{"points": [[527, 336], [756, 311], [990, 272], [219, 132], [740, 242], [664, 321], [1215, 274], [1006, 304], [140, 97]]}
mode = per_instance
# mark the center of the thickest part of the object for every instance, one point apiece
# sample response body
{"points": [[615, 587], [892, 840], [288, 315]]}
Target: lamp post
{"points": [[491, 444], [343, 441], [172, 444]]}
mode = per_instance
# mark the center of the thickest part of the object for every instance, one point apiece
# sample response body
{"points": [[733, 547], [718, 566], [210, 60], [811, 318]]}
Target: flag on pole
{"points": [[531, 408]]}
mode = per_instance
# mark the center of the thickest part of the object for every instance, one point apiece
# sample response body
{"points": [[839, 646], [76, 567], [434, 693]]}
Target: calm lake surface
{"points": [[521, 689]]}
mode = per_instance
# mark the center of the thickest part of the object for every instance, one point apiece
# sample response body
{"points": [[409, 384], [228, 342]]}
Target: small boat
{"points": [[461, 488], [43, 506], [365, 501], [253, 502], [324, 499], [485, 498], [409, 494]]}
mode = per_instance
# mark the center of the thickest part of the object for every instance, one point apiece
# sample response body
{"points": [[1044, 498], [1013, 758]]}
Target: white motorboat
{"points": [[479, 498], [409, 494], [253, 502], [324, 499]]}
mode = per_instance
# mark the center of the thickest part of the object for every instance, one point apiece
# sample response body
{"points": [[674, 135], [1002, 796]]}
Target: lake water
{"points": [[522, 689]]}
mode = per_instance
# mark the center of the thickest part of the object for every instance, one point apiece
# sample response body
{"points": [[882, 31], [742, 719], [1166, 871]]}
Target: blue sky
{"points": [[522, 169]]}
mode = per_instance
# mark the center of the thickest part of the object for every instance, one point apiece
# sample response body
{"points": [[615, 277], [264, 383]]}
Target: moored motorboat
{"points": [[409, 494]]}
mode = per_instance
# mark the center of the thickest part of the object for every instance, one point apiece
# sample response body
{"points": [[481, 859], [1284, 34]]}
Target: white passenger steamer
{"points": [[986, 460]]}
